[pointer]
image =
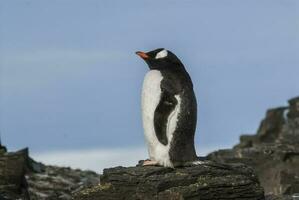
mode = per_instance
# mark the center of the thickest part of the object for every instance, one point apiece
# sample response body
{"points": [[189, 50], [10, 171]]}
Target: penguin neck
{"points": [[168, 67], [179, 72]]}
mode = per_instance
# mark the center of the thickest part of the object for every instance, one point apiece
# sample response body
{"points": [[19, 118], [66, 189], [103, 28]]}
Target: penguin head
{"points": [[160, 59]]}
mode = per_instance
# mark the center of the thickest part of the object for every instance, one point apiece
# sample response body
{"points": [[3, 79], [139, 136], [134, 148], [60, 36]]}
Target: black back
{"points": [[178, 82]]}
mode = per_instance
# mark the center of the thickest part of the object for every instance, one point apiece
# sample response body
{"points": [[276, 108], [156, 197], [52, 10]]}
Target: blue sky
{"points": [[69, 78]]}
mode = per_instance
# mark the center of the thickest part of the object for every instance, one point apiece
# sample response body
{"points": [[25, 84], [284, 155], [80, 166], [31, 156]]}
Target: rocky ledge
{"points": [[207, 181], [22, 178], [273, 152]]}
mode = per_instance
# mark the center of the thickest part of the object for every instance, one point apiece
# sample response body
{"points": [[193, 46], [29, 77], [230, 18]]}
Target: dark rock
{"points": [[208, 181], [279, 197], [271, 126], [12, 170], [23, 178], [2, 149], [294, 108], [273, 152], [59, 182], [35, 167]]}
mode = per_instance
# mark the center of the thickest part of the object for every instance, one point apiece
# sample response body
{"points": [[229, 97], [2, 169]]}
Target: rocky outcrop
{"points": [[23, 178], [273, 151], [12, 170], [59, 182], [207, 181]]}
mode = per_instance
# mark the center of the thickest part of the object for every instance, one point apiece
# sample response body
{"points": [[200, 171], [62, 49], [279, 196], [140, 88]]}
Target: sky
{"points": [[70, 82]]}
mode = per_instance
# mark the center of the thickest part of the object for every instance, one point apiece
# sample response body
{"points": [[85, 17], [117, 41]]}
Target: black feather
{"points": [[166, 105]]}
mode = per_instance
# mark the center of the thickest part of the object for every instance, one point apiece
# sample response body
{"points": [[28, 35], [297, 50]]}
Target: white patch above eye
{"points": [[161, 54]]}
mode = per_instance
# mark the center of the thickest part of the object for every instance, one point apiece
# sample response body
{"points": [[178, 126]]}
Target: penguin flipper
{"points": [[166, 105]]}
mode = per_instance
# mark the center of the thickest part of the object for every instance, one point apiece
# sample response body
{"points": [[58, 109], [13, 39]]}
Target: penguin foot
{"points": [[149, 163]]}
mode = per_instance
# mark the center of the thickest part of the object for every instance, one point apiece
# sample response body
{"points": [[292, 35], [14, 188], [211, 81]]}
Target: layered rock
{"points": [[273, 151], [23, 178], [59, 182], [12, 170], [208, 181]]}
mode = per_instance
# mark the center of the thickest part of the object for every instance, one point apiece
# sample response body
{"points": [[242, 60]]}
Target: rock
{"points": [[23, 178], [208, 181], [271, 126], [294, 108], [12, 170], [2, 149], [59, 182], [273, 151], [279, 197]]}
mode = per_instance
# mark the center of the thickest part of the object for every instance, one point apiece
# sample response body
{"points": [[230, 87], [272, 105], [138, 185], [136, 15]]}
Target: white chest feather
{"points": [[151, 93]]}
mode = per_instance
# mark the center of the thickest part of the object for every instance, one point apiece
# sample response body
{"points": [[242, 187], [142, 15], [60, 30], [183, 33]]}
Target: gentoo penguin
{"points": [[169, 110]]}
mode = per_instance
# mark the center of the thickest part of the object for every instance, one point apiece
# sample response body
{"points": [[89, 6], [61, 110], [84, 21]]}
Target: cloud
{"points": [[98, 159]]}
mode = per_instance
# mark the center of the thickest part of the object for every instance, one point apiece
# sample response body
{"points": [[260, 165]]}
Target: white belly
{"points": [[151, 93]]}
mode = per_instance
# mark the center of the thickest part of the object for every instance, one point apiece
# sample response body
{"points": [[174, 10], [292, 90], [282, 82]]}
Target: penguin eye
{"points": [[161, 54]]}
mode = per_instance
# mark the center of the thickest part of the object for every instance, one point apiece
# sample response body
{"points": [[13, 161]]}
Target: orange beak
{"points": [[142, 54]]}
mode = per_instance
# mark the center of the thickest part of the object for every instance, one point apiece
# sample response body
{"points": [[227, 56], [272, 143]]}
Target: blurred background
{"points": [[70, 82]]}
